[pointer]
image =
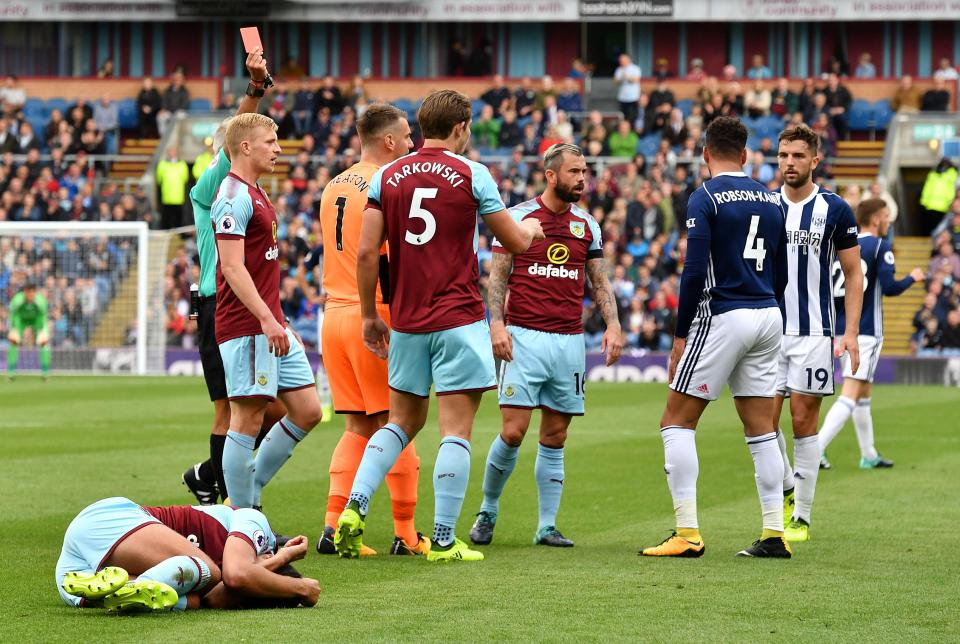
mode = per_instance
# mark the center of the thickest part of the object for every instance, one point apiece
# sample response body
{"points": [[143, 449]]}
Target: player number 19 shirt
{"points": [[430, 201]]}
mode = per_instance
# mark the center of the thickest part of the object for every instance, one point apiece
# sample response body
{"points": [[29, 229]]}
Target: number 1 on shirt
{"points": [[341, 204]]}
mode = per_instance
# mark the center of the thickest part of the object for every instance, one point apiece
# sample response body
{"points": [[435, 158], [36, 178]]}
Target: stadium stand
{"points": [[638, 196]]}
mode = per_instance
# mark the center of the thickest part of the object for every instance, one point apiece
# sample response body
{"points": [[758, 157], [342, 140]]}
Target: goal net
{"points": [[103, 287]]}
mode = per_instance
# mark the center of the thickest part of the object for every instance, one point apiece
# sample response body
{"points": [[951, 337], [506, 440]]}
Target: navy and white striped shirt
{"points": [[877, 261], [736, 253], [817, 228]]}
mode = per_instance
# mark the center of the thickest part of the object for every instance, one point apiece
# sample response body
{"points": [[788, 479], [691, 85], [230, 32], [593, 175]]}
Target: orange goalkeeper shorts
{"points": [[358, 378]]}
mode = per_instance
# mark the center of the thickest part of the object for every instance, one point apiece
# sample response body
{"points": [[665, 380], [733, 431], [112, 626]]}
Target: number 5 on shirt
{"points": [[418, 212]]}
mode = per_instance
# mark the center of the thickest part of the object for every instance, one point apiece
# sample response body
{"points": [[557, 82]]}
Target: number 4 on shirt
{"points": [[754, 247]]}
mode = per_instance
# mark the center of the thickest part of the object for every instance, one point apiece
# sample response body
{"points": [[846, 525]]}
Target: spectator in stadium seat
{"points": [[838, 103], [907, 98], [106, 68], [783, 101], [675, 131], [660, 95], [806, 96], [865, 68], [27, 139], [291, 69], [661, 70], [627, 78], [148, 105], [946, 261], [486, 129], [329, 96], [480, 62], [569, 99], [816, 107], [623, 142], [228, 102], [8, 139], [937, 98], [728, 73], [498, 96], [828, 134], [696, 72], [107, 118], [945, 71], [302, 108], [758, 99], [524, 98], [758, 70], [510, 133], [12, 96], [175, 101], [950, 336]]}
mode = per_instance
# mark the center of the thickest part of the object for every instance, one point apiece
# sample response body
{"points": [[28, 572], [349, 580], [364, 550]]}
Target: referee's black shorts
{"points": [[209, 351]]}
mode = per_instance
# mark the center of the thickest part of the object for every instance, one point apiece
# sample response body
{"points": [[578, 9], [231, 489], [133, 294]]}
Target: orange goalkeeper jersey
{"points": [[341, 213]]}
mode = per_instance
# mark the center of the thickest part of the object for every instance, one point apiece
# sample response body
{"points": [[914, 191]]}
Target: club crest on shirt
{"points": [[262, 379], [509, 391], [578, 229], [274, 229]]}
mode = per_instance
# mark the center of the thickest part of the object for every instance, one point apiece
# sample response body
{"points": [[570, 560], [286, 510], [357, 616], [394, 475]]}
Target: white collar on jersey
{"points": [[816, 191], [730, 174]]}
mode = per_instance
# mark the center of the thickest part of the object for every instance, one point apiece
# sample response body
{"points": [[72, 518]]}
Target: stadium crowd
{"points": [[643, 171], [937, 323]]}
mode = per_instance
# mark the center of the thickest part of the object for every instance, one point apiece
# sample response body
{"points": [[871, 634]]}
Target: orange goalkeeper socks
{"points": [[402, 482], [343, 468]]}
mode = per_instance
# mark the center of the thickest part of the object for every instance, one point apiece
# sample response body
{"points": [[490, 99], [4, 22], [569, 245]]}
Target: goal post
{"points": [[103, 283]]}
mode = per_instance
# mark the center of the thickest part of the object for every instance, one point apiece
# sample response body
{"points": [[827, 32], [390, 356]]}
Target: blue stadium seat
{"points": [[477, 104], [648, 145], [34, 107], [58, 104], [882, 113], [408, 106], [685, 104], [200, 105], [127, 113], [860, 117]]}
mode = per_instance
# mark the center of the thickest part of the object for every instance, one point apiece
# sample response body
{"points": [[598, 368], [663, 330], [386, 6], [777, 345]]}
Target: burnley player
{"points": [[261, 358], [879, 267], [181, 557], [426, 205], [205, 480], [820, 230], [358, 378], [541, 339], [728, 332]]}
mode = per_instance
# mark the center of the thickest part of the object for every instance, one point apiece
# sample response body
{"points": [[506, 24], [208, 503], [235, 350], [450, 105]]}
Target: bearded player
{"points": [[820, 230], [358, 378], [426, 205], [262, 359], [540, 341]]}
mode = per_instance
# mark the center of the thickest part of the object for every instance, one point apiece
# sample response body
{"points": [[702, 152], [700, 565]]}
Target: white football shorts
{"points": [[738, 348]]}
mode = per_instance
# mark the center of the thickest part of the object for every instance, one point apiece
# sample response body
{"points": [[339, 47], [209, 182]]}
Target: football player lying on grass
{"points": [[128, 557]]}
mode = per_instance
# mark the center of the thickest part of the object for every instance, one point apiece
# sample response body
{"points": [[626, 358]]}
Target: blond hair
{"points": [[241, 128]]}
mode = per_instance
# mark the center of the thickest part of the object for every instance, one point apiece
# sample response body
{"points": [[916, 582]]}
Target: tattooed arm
{"points": [[612, 343], [496, 301]]}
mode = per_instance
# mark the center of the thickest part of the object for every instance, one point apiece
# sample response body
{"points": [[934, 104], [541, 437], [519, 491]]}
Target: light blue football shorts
{"points": [[456, 360], [547, 372], [94, 534], [253, 372]]}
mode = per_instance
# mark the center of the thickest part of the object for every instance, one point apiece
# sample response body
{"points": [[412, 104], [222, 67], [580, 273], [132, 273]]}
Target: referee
{"points": [[205, 480]]}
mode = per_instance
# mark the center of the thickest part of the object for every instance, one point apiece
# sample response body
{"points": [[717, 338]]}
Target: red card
{"points": [[251, 39]]}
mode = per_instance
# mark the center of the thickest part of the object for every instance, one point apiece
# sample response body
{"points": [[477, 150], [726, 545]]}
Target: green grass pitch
{"points": [[881, 564]]}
